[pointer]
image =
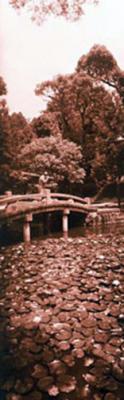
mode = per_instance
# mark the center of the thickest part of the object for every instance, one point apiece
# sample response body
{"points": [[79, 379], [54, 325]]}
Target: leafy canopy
{"points": [[15, 133], [3, 89], [100, 64], [84, 109], [60, 158]]}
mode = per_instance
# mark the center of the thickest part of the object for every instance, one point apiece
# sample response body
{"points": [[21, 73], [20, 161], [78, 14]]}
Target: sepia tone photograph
{"points": [[62, 200]]}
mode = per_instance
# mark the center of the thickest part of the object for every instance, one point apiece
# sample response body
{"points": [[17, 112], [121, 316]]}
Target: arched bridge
{"points": [[23, 207]]}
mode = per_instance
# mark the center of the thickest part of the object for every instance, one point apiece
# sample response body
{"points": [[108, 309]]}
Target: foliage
{"points": [[86, 113], [15, 132], [4, 127], [100, 64], [21, 132], [60, 158], [40, 9], [3, 89], [80, 105], [85, 110], [46, 124]]}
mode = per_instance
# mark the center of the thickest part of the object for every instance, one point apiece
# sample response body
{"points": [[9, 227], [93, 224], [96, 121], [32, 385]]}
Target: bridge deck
{"points": [[17, 206], [24, 207], [19, 210]]}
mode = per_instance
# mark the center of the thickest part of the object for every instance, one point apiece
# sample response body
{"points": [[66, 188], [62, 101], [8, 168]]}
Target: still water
{"points": [[13, 233]]}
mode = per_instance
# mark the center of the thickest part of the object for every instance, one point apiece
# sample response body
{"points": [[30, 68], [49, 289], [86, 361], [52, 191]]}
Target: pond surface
{"points": [[62, 318]]}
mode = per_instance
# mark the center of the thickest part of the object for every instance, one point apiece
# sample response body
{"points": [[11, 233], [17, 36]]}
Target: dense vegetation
{"points": [[75, 139]]}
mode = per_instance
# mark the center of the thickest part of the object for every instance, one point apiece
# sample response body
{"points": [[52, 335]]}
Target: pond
{"points": [[13, 233], [62, 317]]}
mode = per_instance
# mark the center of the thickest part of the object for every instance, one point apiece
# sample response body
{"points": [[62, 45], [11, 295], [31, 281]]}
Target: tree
{"points": [[79, 104], [100, 64], [40, 9], [15, 133], [4, 126], [46, 124], [3, 89], [66, 96], [19, 135], [87, 113], [61, 159], [22, 132]]}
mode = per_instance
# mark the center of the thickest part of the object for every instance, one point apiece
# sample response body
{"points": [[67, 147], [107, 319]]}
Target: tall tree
{"points": [[40, 9], [4, 127], [20, 133], [100, 64], [15, 133], [88, 113]]}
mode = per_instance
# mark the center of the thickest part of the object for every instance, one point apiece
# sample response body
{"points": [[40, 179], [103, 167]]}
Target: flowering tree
{"points": [[60, 158], [40, 9]]}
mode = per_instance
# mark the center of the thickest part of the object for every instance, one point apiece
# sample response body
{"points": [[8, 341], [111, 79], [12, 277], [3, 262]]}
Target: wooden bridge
{"points": [[24, 207]]}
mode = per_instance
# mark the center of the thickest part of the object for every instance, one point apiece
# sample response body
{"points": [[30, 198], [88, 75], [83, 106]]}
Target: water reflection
{"points": [[13, 232]]}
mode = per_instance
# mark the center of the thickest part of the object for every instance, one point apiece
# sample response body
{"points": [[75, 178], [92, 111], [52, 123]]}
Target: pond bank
{"points": [[62, 319]]}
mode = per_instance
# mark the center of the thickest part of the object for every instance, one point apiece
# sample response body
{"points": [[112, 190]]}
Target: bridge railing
{"points": [[9, 199], [63, 196], [20, 197]]}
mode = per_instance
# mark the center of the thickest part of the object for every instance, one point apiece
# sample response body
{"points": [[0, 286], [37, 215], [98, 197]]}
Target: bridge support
{"points": [[66, 212], [8, 193], [48, 195], [27, 228]]}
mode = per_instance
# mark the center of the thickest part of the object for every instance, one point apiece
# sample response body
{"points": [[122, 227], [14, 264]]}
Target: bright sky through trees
{"points": [[31, 54]]}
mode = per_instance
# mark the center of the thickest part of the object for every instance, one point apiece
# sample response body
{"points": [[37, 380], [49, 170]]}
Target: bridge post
{"points": [[48, 195], [66, 212], [27, 228], [8, 193]]}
